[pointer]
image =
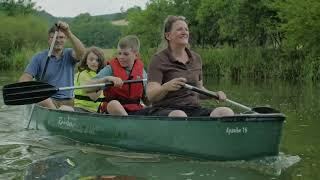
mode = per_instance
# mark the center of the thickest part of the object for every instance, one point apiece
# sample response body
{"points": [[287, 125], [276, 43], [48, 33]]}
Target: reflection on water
{"points": [[23, 153], [77, 164]]}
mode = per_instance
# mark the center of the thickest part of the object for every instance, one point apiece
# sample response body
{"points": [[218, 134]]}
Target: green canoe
{"points": [[244, 136]]}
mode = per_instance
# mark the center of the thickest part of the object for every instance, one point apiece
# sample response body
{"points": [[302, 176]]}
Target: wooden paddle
{"points": [[35, 91], [262, 109]]}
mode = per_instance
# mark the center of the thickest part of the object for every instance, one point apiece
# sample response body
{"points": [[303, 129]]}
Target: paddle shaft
{"points": [[49, 54], [44, 70], [214, 95], [100, 85], [30, 92]]}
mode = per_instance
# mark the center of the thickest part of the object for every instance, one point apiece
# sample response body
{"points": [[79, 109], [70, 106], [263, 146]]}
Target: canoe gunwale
{"points": [[237, 117]]}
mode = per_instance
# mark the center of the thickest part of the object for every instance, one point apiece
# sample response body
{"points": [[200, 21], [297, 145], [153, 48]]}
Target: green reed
{"points": [[231, 63], [18, 59], [259, 63]]}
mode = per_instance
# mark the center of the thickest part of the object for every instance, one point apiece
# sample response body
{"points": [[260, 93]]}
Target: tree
{"points": [[20, 7], [301, 24], [147, 24], [245, 22], [96, 31]]}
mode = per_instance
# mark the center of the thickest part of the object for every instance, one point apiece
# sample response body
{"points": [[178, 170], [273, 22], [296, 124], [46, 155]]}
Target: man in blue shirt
{"points": [[60, 67]]}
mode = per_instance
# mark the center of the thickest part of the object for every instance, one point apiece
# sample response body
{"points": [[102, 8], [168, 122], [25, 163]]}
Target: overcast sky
{"points": [[72, 8]]}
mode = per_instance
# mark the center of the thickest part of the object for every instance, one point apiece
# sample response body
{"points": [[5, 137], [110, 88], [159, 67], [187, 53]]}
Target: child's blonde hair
{"points": [[130, 41]]}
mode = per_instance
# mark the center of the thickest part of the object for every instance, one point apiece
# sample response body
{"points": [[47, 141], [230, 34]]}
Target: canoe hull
{"points": [[229, 138]]}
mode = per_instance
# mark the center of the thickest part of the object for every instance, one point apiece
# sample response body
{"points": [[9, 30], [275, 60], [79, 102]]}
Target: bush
{"points": [[17, 35]]}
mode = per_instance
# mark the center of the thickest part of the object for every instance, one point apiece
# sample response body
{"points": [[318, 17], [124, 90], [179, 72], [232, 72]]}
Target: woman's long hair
{"points": [[98, 52]]}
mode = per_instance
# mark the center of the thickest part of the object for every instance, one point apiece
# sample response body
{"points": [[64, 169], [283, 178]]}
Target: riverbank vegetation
{"points": [[24, 31], [242, 38], [21, 34], [258, 39]]}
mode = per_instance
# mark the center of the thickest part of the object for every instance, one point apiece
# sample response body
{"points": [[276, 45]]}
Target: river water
{"points": [[25, 152]]}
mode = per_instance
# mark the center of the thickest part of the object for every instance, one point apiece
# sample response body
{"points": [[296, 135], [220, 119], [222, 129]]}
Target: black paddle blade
{"points": [[264, 110], [27, 92]]}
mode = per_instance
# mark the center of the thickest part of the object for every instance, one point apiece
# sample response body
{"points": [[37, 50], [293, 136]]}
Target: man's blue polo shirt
{"points": [[59, 73]]}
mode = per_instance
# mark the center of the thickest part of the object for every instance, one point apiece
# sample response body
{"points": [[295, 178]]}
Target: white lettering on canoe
{"points": [[66, 122], [73, 125], [236, 130]]}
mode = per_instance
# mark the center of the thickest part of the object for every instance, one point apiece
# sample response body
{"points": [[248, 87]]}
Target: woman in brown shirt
{"points": [[171, 69]]}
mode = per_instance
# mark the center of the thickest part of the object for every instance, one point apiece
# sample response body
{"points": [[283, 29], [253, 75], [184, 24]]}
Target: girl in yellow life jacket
{"points": [[88, 68]]}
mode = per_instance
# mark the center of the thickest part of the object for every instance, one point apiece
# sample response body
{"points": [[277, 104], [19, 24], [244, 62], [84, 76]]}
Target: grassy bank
{"points": [[18, 59], [259, 63], [230, 63], [255, 63]]}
